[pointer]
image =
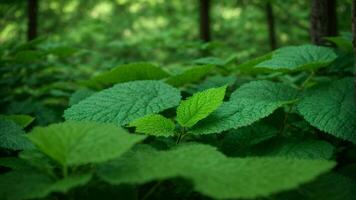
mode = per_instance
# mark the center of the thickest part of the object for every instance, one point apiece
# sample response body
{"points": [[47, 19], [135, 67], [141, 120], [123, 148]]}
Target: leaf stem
{"points": [[65, 171], [301, 88], [150, 192]]}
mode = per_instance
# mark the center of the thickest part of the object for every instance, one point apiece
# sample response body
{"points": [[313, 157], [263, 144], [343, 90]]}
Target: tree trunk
{"points": [[353, 17], [271, 26], [323, 20], [32, 19], [205, 20]]}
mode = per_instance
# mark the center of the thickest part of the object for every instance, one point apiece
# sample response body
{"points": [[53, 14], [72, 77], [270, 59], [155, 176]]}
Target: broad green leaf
{"points": [[13, 163], [249, 66], [294, 148], [199, 106], [344, 41], [79, 95], [12, 136], [237, 142], [331, 108], [78, 143], [22, 120], [129, 72], [212, 173], [155, 124], [296, 58], [189, 76], [125, 102], [33, 184], [330, 186], [249, 103]]}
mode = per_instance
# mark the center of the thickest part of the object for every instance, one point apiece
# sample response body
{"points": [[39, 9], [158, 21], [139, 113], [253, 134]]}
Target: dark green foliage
{"points": [[121, 101]]}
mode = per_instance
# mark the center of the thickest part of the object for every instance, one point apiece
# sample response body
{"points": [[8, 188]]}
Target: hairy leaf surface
{"points": [[249, 103], [331, 108], [295, 58], [125, 102], [12, 136]]}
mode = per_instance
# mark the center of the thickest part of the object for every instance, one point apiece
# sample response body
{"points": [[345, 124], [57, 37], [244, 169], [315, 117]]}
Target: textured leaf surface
{"points": [[331, 108], [22, 120], [199, 106], [212, 173], [12, 136], [125, 102], [189, 76], [296, 58], [79, 95], [129, 72], [294, 148], [32, 184], [331, 186], [237, 141], [77, 143], [249, 103], [155, 124]]}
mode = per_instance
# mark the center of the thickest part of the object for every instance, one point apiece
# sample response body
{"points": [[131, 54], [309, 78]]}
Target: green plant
{"points": [[274, 127]]}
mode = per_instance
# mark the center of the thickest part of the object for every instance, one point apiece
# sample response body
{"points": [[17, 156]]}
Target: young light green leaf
{"points": [[199, 106], [78, 143], [129, 72], [155, 124], [248, 104], [125, 102], [22, 120], [212, 173], [296, 58], [189, 76], [12, 136], [331, 108]]}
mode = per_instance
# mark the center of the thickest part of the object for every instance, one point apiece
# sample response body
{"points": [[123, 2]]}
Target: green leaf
{"points": [[12, 136], [296, 58], [248, 104], [294, 148], [32, 184], [22, 120], [129, 72], [79, 95], [191, 75], [155, 124], [199, 106], [125, 102], [78, 143], [249, 66], [212, 173], [331, 108], [331, 186], [236, 142]]}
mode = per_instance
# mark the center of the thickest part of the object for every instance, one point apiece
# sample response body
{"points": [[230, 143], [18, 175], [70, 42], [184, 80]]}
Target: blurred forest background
{"points": [[72, 40]]}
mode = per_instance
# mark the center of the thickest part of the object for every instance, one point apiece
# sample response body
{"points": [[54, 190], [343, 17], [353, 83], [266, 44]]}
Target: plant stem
{"points": [[301, 89], [180, 136], [65, 171], [150, 192]]}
